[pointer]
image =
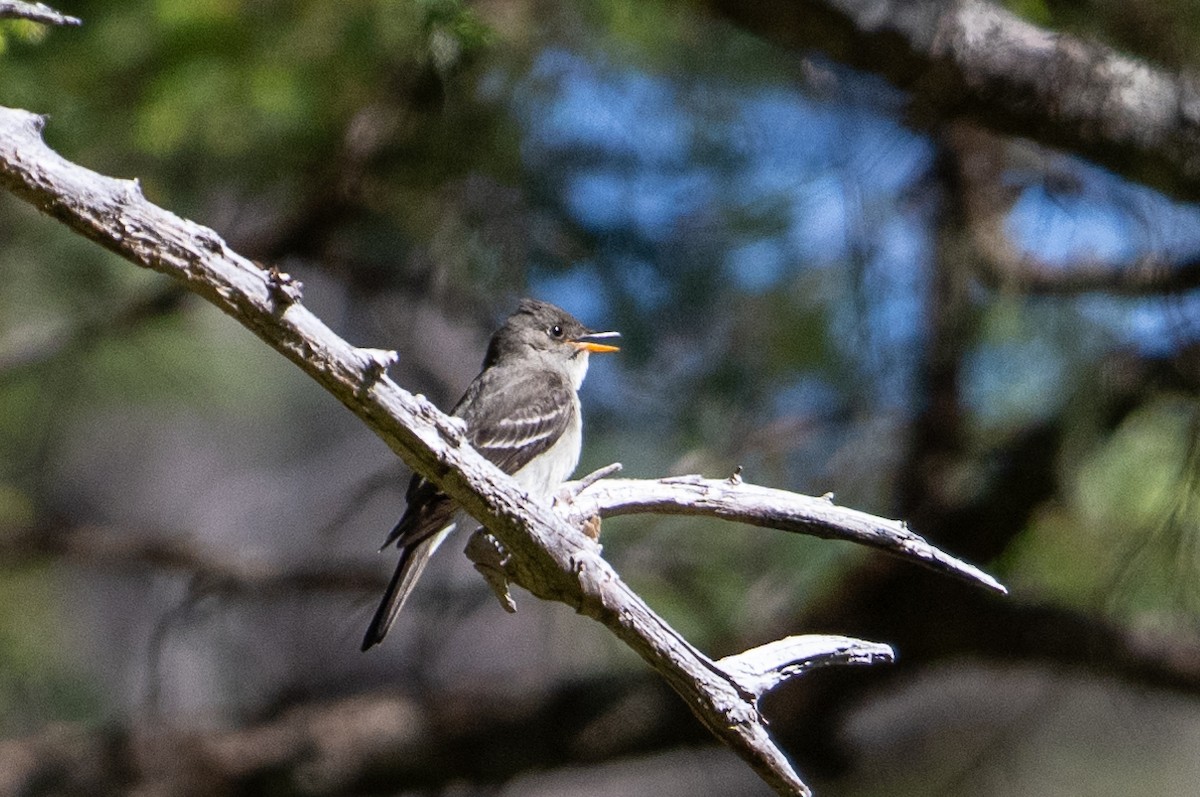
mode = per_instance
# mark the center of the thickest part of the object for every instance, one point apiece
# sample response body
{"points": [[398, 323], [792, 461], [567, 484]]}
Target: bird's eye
{"points": [[556, 331]]}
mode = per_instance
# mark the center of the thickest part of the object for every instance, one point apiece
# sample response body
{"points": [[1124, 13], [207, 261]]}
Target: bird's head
{"points": [[543, 333]]}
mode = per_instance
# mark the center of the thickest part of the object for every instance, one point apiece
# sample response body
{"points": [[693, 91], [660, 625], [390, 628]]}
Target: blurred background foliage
{"points": [[787, 257]]}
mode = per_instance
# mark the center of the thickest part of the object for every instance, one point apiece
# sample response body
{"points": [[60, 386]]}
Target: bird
{"points": [[522, 414]]}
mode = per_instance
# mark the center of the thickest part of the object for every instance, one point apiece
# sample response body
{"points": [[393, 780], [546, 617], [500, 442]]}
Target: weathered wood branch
{"points": [[761, 669], [974, 59], [35, 12], [547, 555], [736, 500]]}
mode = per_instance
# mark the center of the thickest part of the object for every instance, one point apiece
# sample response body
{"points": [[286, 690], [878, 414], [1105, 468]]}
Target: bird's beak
{"points": [[588, 342]]}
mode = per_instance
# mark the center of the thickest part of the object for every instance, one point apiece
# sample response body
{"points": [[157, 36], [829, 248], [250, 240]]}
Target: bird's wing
{"points": [[429, 510], [512, 426], [510, 419]]}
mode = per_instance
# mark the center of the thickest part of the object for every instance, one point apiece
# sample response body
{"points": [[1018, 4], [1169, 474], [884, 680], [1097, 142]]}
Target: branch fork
{"points": [[544, 550]]}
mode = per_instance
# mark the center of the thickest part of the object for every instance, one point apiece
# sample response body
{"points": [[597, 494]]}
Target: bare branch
{"points": [[547, 555], [761, 669], [573, 489], [769, 508], [216, 571], [35, 12]]}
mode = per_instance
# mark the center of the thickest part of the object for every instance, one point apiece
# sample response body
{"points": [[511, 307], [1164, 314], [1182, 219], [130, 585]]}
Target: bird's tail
{"points": [[413, 559]]}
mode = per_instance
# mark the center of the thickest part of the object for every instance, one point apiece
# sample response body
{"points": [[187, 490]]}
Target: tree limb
{"points": [[548, 556], [761, 669], [35, 12], [733, 499], [975, 59]]}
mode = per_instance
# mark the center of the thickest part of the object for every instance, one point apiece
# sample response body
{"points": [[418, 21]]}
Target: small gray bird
{"points": [[522, 414]]}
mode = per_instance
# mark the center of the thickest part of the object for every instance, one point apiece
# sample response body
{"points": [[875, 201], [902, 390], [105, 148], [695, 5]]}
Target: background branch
{"points": [[983, 163], [212, 569], [976, 60]]}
